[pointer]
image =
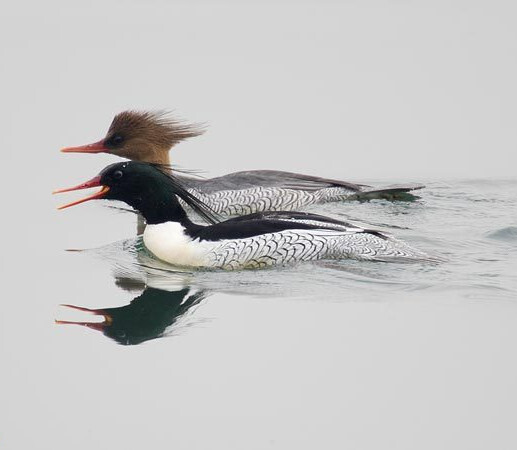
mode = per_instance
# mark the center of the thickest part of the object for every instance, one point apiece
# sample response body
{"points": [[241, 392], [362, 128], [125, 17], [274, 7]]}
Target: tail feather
{"points": [[392, 192]]}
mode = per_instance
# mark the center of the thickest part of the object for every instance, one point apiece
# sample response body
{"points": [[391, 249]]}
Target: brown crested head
{"points": [[142, 136]]}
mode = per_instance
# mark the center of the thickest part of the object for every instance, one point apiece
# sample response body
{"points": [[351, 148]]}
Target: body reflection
{"points": [[154, 313]]}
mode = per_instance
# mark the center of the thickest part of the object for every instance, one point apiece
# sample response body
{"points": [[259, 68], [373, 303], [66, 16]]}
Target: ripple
{"points": [[504, 234], [449, 220]]}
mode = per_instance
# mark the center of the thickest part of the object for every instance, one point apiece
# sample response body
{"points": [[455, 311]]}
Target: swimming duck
{"points": [[252, 241], [149, 136]]}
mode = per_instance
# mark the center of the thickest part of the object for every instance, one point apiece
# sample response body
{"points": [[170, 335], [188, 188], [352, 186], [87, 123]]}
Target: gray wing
{"points": [[266, 178]]}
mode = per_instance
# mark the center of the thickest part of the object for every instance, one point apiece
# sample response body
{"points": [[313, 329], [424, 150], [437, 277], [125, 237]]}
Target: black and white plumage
{"points": [[263, 240], [252, 241]]}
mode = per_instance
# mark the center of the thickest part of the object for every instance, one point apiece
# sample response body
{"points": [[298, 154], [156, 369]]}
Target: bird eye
{"points": [[117, 175], [114, 141]]}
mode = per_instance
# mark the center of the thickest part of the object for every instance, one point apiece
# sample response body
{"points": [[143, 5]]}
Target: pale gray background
{"points": [[355, 89], [359, 90]]}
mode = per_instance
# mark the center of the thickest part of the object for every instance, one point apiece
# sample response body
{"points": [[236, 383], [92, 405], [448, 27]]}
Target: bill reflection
{"points": [[153, 314]]}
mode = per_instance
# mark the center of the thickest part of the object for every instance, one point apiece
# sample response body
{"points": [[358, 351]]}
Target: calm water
{"points": [[329, 355]]}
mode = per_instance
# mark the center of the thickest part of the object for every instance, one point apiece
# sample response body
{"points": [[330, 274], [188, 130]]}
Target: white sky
{"points": [[358, 90]]}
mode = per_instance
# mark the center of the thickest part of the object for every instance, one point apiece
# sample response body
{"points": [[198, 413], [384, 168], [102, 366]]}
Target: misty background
{"points": [[402, 91]]}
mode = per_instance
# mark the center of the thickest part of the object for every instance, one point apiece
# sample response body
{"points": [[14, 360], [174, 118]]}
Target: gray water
{"points": [[330, 355]]}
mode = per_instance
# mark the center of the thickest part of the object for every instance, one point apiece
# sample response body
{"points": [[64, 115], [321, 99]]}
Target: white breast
{"points": [[169, 242]]}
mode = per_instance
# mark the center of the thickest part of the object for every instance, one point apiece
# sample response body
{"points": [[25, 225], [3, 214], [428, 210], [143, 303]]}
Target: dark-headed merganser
{"points": [[148, 137], [150, 315], [252, 241]]}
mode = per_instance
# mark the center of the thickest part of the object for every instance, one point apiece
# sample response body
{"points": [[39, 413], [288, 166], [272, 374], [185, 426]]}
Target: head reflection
{"points": [[154, 313]]}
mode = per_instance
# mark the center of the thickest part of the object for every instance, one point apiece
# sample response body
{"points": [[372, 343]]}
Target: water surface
{"points": [[327, 355]]}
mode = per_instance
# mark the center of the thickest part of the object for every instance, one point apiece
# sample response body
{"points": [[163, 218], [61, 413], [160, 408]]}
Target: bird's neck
{"points": [[160, 157], [150, 153], [160, 209], [159, 204]]}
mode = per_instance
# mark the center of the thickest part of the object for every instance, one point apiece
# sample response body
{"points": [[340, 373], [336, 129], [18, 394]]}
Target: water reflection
{"points": [[164, 295], [152, 314]]}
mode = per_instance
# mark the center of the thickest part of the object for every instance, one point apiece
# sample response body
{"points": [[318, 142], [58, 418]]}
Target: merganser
{"points": [[150, 315], [149, 136], [252, 241]]}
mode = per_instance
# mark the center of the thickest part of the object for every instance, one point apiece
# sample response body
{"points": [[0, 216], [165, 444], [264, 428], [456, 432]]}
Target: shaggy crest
{"points": [[159, 126]]}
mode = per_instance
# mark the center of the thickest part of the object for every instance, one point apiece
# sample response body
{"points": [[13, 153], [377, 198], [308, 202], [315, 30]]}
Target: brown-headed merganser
{"points": [[252, 241], [149, 136]]}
